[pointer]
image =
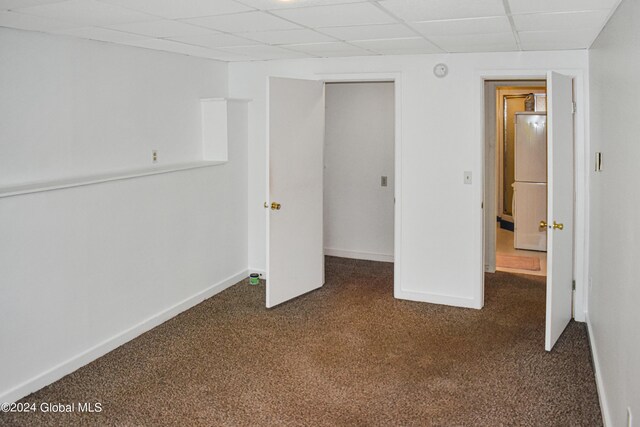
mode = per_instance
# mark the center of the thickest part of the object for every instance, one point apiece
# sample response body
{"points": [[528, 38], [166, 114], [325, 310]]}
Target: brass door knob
{"points": [[558, 226], [543, 224], [275, 206]]}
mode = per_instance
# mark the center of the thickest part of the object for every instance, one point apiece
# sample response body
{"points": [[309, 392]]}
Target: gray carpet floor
{"points": [[347, 354]]}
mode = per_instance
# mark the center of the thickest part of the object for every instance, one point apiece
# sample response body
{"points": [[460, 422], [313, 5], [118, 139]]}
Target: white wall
{"points": [[614, 317], [441, 132], [359, 145], [84, 269], [74, 107]]}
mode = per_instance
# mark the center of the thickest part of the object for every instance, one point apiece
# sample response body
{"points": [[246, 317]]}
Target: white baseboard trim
{"points": [[604, 407], [369, 256], [100, 349], [437, 299]]}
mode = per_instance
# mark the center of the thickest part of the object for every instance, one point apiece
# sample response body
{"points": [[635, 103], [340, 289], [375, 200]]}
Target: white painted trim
{"points": [[369, 256], [100, 178], [581, 172], [604, 407], [436, 299], [100, 349]]}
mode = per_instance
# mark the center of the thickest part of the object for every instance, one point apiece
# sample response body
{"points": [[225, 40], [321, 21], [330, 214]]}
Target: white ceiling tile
{"points": [[101, 34], [431, 10], [494, 42], [264, 52], [162, 28], [287, 37], [31, 22], [560, 21], [178, 9], [398, 46], [369, 32], [215, 40], [333, 49], [87, 13], [497, 24], [554, 40], [336, 15], [279, 4], [170, 46], [542, 6], [243, 22], [17, 4]]}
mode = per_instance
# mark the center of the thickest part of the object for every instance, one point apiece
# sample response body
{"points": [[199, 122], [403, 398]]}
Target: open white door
{"points": [[559, 206], [295, 250]]}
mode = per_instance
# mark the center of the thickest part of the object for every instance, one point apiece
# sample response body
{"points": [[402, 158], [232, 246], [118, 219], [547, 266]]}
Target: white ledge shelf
{"points": [[80, 181]]}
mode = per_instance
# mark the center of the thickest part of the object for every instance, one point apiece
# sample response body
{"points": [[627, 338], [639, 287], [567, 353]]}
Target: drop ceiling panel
{"points": [[264, 52], [239, 30], [16, 4], [176, 9], [398, 46], [87, 13], [545, 6], [431, 10], [170, 46], [32, 23], [554, 40], [161, 29], [495, 42], [330, 49], [369, 32], [215, 40], [243, 22], [287, 37], [336, 15], [560, 21], [101, 34], [497, 24], [279, 4]]}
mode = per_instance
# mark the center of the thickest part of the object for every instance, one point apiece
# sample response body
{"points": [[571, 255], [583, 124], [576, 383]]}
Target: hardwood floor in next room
{"points": [[347, 354]]}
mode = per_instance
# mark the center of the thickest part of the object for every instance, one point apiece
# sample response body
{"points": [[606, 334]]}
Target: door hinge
{"points": [[574, 107], [573, 285]]}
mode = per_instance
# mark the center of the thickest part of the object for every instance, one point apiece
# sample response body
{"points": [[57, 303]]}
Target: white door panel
{"points": [[295, 250], [559, 206]]}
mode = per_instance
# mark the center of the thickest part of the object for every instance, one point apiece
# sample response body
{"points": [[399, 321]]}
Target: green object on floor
{"points": [[254, 279]]}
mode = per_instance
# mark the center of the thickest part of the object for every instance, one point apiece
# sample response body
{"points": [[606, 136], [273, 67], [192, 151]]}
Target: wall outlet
{"points": [[467, 177], [629, 417], [383, 181], [154, 156]]}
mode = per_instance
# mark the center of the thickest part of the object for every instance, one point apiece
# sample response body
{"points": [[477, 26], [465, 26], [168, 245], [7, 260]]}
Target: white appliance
{"points": [[530, 187]]}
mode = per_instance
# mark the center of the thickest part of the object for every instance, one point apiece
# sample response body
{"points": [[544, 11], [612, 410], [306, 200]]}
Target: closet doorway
{"points": [[359, 170]]}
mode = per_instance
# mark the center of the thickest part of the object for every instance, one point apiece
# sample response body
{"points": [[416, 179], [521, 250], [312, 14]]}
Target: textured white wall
{"points": [[359, 149], [615, 202], [85, 269], [441, 135]]}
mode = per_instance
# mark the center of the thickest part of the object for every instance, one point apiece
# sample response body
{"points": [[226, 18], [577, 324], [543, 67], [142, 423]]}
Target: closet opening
{"points": [[359, 174]]}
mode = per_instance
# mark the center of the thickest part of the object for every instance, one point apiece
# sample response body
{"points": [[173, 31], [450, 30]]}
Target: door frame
{"points": [[581, 177], [396, 78]]}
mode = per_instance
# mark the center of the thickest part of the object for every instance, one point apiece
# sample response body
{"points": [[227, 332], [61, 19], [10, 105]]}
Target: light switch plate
{"points": [[383, 181], [468, 177]]}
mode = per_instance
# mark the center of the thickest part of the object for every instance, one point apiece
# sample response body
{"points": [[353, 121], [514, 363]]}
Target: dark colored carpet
{"points": [[348, 354]]}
